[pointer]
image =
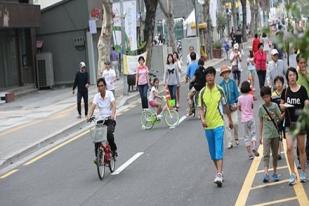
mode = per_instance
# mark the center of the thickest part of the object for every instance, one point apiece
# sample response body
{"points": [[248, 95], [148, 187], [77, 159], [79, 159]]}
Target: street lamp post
{"points": [[125, 85], [196, 18]]}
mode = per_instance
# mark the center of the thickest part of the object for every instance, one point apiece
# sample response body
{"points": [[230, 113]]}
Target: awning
{"points": [[15, 15]]}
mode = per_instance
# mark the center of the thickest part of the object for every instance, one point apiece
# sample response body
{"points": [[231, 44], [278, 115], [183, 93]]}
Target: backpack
{"points": [[200, 80]]}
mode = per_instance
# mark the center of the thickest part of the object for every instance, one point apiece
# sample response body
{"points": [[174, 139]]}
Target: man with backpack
{"points": [[211, 104], [196, 84]]}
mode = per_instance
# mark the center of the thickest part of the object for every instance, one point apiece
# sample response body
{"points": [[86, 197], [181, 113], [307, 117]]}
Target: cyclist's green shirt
{"points": [[212, 100]]}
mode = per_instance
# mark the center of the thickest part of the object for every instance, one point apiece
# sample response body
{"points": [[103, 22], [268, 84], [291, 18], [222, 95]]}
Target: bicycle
{"points": [[195, 104], [149, 117], [104, 156]]}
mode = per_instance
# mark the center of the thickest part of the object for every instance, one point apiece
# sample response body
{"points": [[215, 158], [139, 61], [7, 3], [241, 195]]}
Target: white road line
{"points": [[127, 163], [182, 119]]}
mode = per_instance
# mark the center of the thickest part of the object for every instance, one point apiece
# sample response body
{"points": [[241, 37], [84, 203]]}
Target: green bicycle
{"points": [[149, 117]]}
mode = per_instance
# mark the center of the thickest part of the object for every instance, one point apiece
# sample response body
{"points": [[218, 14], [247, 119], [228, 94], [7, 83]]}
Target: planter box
{"points": [[217, 53]]}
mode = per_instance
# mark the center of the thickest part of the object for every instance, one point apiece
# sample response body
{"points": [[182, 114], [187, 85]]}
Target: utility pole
{"points": [[125, 85], [196, 18]]}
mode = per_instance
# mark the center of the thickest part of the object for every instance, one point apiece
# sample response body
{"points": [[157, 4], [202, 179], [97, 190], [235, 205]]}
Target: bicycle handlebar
{"points": [[91, 119]]}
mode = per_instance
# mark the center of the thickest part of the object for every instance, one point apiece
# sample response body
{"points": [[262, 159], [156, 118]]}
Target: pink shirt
{"points": [[142, 72], [245, 102]]}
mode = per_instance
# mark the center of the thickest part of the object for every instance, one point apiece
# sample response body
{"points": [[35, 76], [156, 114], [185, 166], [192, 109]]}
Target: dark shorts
{"points": [[236, 75]]}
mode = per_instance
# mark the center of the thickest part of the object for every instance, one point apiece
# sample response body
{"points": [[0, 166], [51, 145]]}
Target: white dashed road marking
{"points": [[127, 163]]}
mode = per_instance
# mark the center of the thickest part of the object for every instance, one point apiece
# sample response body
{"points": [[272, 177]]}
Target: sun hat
{"points": [[224, 69]]}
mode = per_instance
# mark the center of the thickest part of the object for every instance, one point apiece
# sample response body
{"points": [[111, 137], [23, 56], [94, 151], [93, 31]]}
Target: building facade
{"points": [[18, 22]]}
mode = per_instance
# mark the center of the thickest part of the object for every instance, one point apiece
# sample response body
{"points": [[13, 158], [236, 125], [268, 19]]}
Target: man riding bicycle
{"points": [[197, 83], [105, 101]]}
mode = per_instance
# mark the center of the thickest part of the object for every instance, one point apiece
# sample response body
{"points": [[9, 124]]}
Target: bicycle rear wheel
{"points": [[100, 163], [148, 119], [171, 118]]}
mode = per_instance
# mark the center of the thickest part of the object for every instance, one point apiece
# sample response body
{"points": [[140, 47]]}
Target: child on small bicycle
{"points": [[155, 101]]}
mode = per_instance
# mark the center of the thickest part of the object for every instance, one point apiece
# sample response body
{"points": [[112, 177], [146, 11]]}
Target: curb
{"points": [[66, 133]]}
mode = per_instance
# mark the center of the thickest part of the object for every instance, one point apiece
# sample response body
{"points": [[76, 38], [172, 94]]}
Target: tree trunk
{"points": [[244, 20], [104, 43], [252, 30], [142, 28], [142, 22], [256, 17], [234, 17], [151, 8], [208, 30], [170, 22]]}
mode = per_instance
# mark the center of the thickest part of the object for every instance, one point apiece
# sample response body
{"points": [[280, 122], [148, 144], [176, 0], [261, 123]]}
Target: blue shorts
{"points": [[215, 142]]}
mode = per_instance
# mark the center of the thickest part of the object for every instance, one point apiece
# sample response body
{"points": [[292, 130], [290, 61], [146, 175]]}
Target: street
{"points": [[61, 61], [174, 168]]}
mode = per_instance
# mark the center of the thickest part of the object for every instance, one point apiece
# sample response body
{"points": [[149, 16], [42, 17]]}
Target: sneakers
{"points": [[189, 114], [219, 179], [230, 146], [292, 179], [237, 142], [266, 178], [159, 116], [275, 177], [302, 177], [279, 157], [255, 153], [251, 157]]}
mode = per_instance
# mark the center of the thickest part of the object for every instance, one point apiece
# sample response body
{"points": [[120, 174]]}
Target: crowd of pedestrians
{"points": [[284, 91]]}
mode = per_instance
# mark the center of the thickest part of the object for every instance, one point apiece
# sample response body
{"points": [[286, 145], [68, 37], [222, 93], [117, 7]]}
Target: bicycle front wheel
{"points": [[171, 118], [100, 163], [148, 119], [112, 164]]}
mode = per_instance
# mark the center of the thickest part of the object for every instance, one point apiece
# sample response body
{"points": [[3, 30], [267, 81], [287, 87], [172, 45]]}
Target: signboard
{"points": [[92, 26], [130, 15], [130, 63], [19, 15]]}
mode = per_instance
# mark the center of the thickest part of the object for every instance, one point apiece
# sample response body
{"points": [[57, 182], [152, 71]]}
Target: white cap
{"points": [[82, 64], [274, 52], [236, 46]]}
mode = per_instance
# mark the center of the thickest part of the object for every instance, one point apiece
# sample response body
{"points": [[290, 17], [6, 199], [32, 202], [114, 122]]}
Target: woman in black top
{"points": [[293, 100]]}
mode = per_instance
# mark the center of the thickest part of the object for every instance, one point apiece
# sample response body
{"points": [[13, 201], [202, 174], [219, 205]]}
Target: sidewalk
{"points": [[35, 120]]}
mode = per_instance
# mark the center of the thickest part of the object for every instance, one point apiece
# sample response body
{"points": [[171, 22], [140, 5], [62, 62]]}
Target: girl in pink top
{"points": [[245, 105], [142, 81]]}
